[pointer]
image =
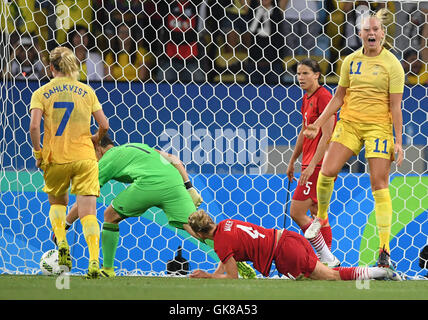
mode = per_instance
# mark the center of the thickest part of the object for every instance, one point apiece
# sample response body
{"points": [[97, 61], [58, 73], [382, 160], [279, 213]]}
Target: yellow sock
{"points": [[383, 211], [325, 187], [57, 214], [91, 231]]}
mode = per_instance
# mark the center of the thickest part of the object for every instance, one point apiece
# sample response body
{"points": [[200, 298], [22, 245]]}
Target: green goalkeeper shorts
{"points": [[176, 202]]}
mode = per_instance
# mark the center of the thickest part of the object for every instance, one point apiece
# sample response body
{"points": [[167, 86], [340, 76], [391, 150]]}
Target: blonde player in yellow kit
{"points": [[68, 155], [369, 93]]}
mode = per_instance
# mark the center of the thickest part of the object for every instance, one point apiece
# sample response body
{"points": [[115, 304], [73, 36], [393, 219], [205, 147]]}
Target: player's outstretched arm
{"points": [[176, 162], [335, 103], [230, 271], [327, 131], [103, 126]]}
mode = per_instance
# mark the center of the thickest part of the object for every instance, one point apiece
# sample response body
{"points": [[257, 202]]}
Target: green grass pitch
{"points": [[29, 287]]}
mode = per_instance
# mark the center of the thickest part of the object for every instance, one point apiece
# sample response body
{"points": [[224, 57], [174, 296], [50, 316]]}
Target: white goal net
{"points": [[212, 82]]}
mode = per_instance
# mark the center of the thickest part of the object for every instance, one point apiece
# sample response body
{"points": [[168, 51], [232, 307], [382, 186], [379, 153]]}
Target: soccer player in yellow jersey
{"points": [[369, 94], [68, 156]]}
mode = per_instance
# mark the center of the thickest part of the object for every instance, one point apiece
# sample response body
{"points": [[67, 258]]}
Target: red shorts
{"points": [[309, 190], [294, 255]]}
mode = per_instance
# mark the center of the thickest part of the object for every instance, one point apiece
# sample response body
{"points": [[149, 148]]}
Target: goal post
{"points": [[212, 82]]}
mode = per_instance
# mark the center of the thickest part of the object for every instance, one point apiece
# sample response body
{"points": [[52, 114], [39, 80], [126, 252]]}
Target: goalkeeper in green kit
{"points": [[156, 179]]}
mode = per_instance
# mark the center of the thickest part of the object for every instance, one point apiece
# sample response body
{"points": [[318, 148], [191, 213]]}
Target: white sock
{"points": [[368, 273], [323, 252], [376, 272]]}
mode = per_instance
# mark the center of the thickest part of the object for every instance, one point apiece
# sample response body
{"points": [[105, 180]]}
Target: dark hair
{"points": [[315, 67], [106, 141]]}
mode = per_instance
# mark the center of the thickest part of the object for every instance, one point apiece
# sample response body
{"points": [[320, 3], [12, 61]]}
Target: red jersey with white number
{"points": [[312, 107], [245, 241]]}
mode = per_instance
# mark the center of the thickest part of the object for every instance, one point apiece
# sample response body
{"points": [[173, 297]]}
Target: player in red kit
{"points": [[304, 199], [236, 240]]}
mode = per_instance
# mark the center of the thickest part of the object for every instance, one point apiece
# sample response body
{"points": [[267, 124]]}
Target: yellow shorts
{"points": [[82, 174], [377, 139]]}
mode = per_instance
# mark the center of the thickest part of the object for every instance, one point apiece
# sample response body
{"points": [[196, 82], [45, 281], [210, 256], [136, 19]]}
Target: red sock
{"points": [[327, 235], [353, 273], [346, 273]]}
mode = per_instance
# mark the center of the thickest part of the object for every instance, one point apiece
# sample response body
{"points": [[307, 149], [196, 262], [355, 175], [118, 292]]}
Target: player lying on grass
{"points": [[155, 179], [236, 240]]}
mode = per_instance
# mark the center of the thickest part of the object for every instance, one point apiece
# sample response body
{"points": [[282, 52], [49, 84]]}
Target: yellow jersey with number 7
{"points": [[67, 106], [369, 81]]}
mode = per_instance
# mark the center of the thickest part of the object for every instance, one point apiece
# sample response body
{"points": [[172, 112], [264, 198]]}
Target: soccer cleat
{"points": [[332, 264], [384, 260], [93, 270], [315, 227], [64, 258], [245, 270], [391, 274], [107, 273]]}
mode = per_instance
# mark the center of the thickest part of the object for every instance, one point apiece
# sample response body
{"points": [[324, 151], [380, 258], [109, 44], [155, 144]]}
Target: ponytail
{"points": [[64, 61]]}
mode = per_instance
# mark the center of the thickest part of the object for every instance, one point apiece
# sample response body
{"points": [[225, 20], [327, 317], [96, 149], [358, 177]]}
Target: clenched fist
{"points": [[311, 131]]}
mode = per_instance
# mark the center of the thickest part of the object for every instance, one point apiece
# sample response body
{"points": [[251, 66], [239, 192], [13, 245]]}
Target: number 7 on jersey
{"points": [[68, 106]]}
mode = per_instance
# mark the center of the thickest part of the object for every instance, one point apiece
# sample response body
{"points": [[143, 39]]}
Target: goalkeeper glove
{"points": [[196, 197]]}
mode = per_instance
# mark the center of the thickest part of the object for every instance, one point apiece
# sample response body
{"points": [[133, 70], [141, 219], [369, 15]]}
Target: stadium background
{"points": [[255, 124]]}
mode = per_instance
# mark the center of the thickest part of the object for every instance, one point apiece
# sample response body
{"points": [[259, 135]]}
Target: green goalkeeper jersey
{"points": [[137, 162]]}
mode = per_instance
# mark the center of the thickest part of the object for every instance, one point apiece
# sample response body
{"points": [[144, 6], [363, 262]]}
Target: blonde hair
{"points": [[200, 221], [64, 61]]}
